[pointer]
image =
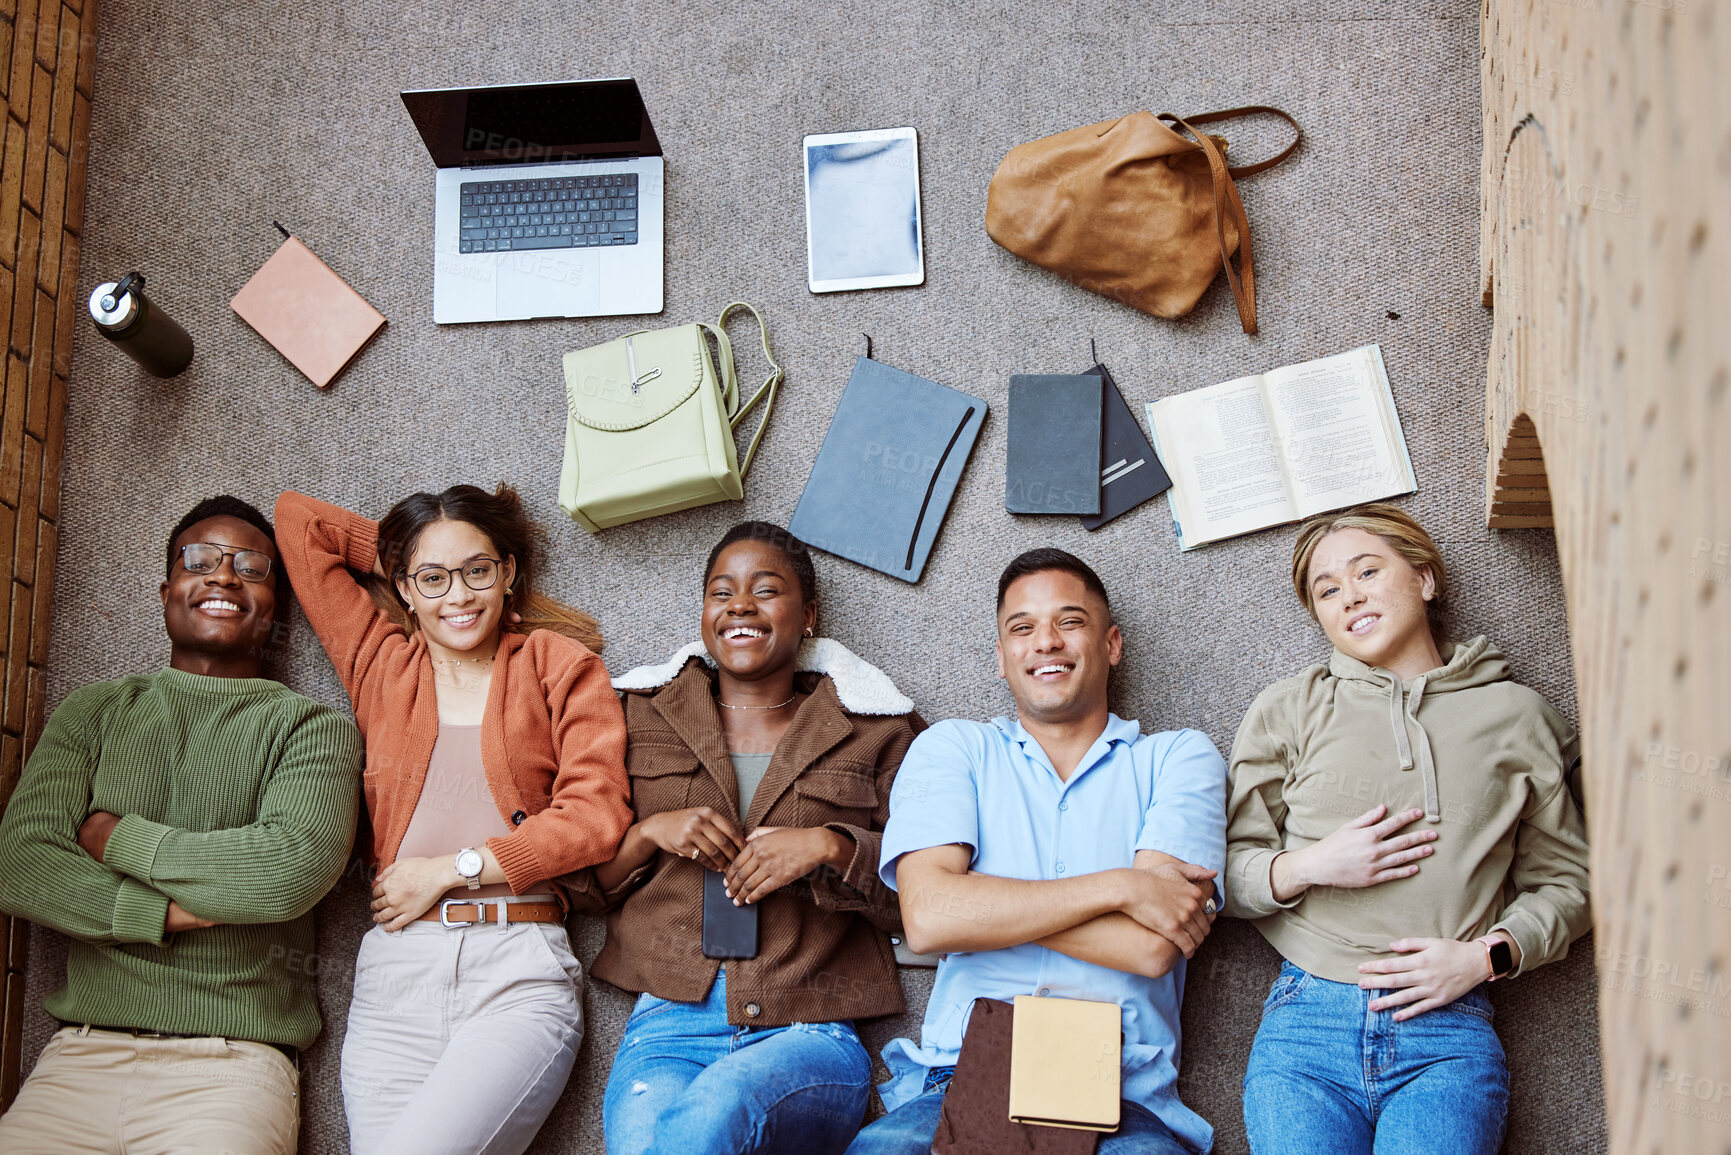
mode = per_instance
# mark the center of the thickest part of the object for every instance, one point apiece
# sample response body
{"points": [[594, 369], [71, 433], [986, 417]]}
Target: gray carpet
{"points": [[212, 119]]}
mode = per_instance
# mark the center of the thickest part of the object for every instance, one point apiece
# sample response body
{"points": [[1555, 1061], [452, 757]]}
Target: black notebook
{"points": [[1130, 472], [889, 465], [1053, 463]]}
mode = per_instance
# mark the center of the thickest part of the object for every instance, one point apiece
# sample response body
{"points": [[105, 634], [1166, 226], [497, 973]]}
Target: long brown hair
{"points": [[500, 516]]}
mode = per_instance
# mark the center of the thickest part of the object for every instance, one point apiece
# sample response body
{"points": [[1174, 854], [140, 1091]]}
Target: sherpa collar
{"points": [[861, 687]]}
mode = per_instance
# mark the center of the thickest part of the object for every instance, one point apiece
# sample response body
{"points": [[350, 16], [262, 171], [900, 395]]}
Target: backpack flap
{"points": [[637, 379]]}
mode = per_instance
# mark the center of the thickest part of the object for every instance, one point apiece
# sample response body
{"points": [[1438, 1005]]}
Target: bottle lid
{"points": [[111, 311]]}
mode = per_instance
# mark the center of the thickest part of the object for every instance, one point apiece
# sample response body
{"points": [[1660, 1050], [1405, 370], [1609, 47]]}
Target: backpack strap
{"points": [[730, 379]]}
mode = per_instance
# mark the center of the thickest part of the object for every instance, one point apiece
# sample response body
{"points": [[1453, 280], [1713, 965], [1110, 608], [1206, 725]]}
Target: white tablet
{"points": [[862, 210]]}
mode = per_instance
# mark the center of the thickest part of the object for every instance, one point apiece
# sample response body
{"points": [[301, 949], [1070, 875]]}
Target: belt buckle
{"points": [[445, 907]]}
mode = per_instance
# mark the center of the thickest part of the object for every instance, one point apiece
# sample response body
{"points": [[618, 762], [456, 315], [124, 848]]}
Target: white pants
{"points": [[460, 1039]]}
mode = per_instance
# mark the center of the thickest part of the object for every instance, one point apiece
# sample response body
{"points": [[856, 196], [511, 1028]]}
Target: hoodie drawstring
{"points": [[1426, 763]]}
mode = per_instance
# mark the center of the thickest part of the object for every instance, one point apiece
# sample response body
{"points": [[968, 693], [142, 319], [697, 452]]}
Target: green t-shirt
{"points": [[749, 769]]}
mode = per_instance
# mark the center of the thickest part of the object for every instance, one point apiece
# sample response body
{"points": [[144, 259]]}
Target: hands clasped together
{"points": [[756, 865]]}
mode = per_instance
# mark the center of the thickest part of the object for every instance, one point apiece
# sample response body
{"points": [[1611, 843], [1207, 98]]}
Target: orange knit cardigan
{"points": [[552, 735]]}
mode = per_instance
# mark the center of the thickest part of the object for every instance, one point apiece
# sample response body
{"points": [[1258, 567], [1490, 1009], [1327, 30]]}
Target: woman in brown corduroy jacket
{"points": [[766, 755]]}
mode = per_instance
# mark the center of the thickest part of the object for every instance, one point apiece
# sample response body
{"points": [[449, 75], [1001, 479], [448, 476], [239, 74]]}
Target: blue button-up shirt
{"points": [[992, 788]]}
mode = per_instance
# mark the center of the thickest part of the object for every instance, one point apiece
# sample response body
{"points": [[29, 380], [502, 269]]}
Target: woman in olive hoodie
{"points": [[1469, 865], [764, 755]]}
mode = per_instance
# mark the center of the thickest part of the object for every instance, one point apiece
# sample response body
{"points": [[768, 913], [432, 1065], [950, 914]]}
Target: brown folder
{"points": [[308, 312], [976, 1117]]}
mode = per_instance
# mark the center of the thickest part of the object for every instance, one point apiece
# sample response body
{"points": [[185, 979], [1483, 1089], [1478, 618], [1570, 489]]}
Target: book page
{"points": [[1340, 439], [1219, 446]]}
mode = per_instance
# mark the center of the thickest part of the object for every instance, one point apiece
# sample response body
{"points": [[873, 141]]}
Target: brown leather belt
{"points": [[289, 1052], [500, 911]]}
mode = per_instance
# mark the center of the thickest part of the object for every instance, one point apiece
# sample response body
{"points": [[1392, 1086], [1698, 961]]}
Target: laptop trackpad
{"points": [[548, 283]]}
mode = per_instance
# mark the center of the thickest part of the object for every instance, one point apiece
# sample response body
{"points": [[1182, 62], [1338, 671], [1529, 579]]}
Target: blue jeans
{"points": [[910, 1128], [687, 1082], [1327, 1073]]}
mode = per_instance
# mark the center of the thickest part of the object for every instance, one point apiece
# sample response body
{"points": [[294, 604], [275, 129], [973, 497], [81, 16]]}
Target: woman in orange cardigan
{"points": [[495, 762]]}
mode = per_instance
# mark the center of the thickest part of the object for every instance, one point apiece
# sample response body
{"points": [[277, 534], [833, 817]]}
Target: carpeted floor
{"points": [[212, 119]]}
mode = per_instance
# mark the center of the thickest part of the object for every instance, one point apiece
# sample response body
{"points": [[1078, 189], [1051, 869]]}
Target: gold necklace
{"points": [[777, 706]]}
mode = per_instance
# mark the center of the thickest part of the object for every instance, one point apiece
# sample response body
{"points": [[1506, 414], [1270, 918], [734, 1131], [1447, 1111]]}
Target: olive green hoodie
{"points": [[1484, 757]]}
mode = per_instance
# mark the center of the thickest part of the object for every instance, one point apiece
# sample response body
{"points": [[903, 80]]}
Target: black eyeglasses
{"points": [[203, 557], [434, 581]]}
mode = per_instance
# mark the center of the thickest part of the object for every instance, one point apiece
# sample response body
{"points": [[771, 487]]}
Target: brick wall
{"points": [[47, 61]]}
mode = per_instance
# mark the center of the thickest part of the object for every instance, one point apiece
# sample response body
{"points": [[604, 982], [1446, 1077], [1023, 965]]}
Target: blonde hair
{"points": [[1392, 524]]}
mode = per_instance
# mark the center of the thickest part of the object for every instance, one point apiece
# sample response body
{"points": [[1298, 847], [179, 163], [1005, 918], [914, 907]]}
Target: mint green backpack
{"points": [[650, 427]]}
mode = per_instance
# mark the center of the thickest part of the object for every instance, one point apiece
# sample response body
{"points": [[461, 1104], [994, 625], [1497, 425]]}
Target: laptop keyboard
{"points": [[570, 212]]}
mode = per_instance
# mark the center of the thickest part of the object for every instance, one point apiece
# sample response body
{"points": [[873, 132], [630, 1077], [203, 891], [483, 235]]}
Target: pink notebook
{"points": [[308, 312]]}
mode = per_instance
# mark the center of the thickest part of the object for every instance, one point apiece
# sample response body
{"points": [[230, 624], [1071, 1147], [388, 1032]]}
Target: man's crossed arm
{"points": [[1138, 919]]}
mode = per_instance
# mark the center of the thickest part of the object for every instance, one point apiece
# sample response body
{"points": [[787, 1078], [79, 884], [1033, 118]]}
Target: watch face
{"points": [[1502, 958], [469, 864]]}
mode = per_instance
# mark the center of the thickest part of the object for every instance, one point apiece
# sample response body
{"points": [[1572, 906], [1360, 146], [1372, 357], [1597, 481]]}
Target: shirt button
{"points": [[894, 941], [1063, 806], [517, 818], [753, 1010], [1044, 991], [1060, 868]]}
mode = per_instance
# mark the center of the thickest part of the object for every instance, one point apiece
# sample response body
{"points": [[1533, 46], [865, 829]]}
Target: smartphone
{"points": [[728, 931]]}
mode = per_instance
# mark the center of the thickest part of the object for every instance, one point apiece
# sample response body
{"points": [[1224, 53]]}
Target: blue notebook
{"points": [[889, 465]]}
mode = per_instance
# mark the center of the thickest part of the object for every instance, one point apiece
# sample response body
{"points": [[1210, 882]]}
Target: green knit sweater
{"points": [[237, 799]]}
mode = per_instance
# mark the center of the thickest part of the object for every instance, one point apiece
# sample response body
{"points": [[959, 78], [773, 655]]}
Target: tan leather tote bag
{"points": [[1130, 209]]}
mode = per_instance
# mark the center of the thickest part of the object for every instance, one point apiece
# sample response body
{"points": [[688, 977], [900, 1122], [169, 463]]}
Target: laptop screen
{"points": [[533, 123]]}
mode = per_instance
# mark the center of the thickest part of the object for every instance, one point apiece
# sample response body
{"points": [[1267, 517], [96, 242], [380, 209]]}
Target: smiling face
{"points": [[1057, 645], [754, 614], [1371, 602], [461, 622], [215, 620]]}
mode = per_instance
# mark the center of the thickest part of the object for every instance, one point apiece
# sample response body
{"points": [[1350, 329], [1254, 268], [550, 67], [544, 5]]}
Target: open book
{"points": [[1295, 441]]}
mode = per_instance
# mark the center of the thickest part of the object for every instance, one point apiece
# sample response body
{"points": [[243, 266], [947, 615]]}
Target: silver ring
{"points": [[1209, 908], [694, 854]]}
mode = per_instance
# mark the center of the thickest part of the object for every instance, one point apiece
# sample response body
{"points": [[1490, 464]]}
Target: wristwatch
{"points": [[1502, 959], [469, 865]]}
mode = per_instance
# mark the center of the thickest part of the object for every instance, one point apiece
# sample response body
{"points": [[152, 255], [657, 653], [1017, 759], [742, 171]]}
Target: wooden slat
{"points": [[47, 33], [69, 304], [11, 1031], [42, 592], [77, 163], [36, 137], [65, 84], [23, 296], [29, 493], [87, 47], [12, 435], [23, 58], [53, 223], [11, 192], [17, 661]]}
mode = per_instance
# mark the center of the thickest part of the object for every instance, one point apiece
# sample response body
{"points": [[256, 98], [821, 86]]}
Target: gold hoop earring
{"points": [[509, 590], [808, 631]]}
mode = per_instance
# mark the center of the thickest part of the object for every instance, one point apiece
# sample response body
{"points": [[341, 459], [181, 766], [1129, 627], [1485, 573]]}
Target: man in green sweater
{"points": [[179, 827]]}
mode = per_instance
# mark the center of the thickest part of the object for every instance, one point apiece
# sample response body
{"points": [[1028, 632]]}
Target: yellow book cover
{"points": [[1065, 1059]]}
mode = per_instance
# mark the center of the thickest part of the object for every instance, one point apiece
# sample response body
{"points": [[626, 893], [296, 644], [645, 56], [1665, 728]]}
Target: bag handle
{"points": [[1226, 200], [1239, 113], [730, 379]]}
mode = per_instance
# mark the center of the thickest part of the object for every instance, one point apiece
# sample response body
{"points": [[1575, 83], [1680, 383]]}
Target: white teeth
{"points": [[218, 604], [1038, 670], [1364, 623], [461, 619], [743, 632]]}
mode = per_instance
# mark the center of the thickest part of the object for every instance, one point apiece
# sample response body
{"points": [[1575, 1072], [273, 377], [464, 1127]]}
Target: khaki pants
{"points": [[459, 1039], [105, 1091]]}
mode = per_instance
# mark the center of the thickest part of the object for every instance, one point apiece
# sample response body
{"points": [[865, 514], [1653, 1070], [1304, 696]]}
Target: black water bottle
{"points": [[140, 328]]}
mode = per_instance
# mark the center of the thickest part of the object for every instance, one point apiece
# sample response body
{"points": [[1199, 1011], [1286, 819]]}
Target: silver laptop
{"points": [[549, 200]]}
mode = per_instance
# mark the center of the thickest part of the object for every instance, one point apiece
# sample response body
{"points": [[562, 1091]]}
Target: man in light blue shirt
{"points": [[1059, 853]]}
